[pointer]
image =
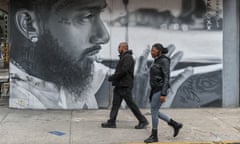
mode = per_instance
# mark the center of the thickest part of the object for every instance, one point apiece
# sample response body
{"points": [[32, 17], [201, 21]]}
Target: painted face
{"points": [[73, 33], [154, 52], [78, 28]]}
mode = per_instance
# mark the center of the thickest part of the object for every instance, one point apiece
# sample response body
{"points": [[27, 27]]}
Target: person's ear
{"points": [[27, 24]]}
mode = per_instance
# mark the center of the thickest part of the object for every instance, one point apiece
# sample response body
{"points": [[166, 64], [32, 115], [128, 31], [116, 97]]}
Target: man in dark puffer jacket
{"points": [[122, 79]]}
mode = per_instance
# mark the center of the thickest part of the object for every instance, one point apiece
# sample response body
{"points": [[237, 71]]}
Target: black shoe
{"points": [[176, 127], [153, 137], [141, 125], [108, 125]]}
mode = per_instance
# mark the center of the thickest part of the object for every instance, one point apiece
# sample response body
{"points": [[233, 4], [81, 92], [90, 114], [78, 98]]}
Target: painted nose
{"points": [[100, 34]]}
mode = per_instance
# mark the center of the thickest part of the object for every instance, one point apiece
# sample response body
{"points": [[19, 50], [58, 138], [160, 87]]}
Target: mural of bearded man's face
{"points": [[69, 34]]}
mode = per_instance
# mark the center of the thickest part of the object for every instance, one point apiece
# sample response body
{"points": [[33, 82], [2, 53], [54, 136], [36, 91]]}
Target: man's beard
{"points": [[50, 63]]}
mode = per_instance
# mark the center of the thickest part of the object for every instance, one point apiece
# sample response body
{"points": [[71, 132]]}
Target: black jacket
{"points": [[123, 76], [159, 75]]}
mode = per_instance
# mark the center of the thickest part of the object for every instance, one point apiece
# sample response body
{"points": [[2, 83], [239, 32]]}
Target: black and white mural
{"points": [[62, 51]]}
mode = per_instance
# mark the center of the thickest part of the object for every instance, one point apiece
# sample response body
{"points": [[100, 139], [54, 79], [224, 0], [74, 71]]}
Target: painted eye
{"points": [[81, 19]]}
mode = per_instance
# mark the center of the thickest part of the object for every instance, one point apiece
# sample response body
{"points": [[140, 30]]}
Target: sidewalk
{"points": [[83, 126]]}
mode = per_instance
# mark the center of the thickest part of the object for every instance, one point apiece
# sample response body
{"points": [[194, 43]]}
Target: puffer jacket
{"points": [[123, 76], [159, 75]]}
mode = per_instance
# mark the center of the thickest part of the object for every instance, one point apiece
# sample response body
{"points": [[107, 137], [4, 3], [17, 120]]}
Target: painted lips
{"points": [[92, 50]]}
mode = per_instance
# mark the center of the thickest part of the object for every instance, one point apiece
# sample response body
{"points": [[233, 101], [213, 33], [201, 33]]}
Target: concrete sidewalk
{"points": [[83, 126]]}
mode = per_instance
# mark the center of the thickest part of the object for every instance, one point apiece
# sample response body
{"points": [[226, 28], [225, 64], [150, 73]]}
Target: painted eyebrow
{"points": [[99, 8], [94, 8]]}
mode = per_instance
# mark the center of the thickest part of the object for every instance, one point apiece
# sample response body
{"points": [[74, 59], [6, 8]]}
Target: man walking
{"points": [[122, 79]]}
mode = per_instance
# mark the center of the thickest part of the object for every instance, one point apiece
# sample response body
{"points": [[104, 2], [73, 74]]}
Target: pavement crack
{"points": [[237, 128], [70, 128], [4, 117]]}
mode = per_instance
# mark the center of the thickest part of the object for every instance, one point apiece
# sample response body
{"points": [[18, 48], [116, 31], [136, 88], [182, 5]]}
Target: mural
{"points": [[62, 51], [192, 30]]}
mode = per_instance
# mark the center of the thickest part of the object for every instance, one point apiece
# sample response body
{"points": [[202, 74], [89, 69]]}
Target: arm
{"points": [[165, 65]]}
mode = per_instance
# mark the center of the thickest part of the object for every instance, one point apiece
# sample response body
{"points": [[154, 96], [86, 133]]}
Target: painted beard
{"points": [[51, 64]]}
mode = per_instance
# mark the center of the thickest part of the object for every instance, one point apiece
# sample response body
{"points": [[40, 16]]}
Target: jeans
{"points": [[155, 106]]}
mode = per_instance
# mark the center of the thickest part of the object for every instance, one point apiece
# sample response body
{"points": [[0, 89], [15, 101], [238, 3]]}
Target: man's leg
{"points": [[127, 96], [117, 99]]}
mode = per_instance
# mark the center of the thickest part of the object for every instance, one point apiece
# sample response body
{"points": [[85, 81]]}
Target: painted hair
{"points": [[160, 48]]}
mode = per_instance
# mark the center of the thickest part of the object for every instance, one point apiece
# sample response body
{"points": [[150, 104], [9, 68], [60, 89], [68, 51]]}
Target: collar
{"points": [[17, 73]]}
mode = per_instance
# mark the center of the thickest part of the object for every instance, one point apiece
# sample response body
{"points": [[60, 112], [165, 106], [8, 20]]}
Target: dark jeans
{"points": [[125, 93]]}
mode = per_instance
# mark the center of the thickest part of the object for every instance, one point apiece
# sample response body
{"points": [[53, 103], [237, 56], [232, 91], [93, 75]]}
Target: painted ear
{"points": [[27, 24]]}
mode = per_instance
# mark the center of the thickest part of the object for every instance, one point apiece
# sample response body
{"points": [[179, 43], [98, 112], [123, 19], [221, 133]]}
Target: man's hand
{"points": [[110, 78]]}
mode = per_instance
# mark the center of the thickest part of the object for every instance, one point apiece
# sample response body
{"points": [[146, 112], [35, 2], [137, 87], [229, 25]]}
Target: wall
{"points": [[61, 55]]}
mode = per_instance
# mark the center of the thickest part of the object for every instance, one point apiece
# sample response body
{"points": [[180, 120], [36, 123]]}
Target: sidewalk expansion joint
{"points": [[4, 117]]}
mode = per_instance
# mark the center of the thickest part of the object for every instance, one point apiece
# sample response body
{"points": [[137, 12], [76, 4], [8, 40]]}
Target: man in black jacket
{"points": [[122, 79]]}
